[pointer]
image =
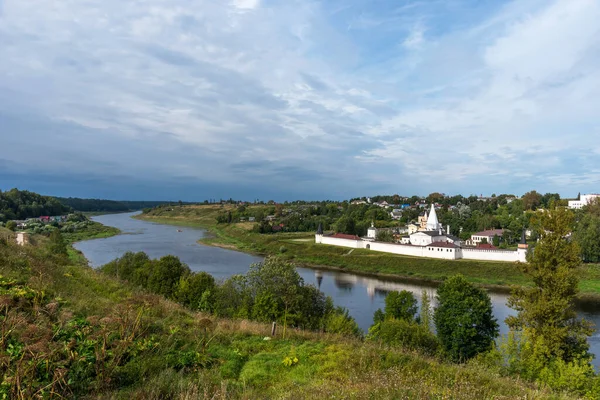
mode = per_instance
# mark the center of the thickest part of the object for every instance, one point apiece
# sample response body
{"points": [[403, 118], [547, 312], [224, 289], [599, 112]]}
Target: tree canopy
{"points": [[463, 319]]}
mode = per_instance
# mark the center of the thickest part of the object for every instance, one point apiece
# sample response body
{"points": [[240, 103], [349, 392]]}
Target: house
{"points": [[45, 219], [22, 238], [412, 228], [396, 214], [488, 235], [583, 201], [270, 218]]}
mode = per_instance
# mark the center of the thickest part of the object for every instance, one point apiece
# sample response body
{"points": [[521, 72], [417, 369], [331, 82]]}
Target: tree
{"points": [[496, 240], [425, 315], [12, 225], [385, 235], [546, 312], [586, 235], [165, 275], [57, 243], [401, 305], [531, 200], [191, 289], [463, 319], [278, 278]]}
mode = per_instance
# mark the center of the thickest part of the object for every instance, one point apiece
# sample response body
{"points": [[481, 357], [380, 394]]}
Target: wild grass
{"points": [[70, 331]]}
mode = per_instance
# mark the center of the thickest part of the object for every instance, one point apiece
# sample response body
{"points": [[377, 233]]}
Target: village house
{"points": [[488, 235]]}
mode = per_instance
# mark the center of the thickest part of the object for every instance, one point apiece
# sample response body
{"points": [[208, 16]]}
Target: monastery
{"points": [[428, 240]]}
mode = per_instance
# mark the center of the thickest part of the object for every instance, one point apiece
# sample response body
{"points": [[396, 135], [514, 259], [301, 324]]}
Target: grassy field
{"points": [[72, 332], [301, 248]]}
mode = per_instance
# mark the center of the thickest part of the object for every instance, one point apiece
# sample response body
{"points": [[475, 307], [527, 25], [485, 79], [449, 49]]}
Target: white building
{"points": [[583, 201], [488, 235]]}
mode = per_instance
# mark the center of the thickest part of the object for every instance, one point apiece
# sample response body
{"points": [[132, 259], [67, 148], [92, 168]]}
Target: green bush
{"points": [[401, 305], [398, 332]]}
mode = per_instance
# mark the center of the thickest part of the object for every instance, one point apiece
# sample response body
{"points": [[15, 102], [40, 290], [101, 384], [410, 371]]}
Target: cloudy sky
{"points": [[288, 99]]}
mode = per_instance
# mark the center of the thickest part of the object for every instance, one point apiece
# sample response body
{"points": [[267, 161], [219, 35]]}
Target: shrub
{"points": [[401, 305], [404, 333]]}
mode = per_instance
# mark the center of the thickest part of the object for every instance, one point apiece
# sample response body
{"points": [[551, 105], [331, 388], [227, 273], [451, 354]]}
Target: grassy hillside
{"points": [[69, 331], [301, 248]]}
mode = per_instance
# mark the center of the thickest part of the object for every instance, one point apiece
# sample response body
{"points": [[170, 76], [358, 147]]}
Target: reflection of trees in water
{"points": [[343, 284], [382, 292]]}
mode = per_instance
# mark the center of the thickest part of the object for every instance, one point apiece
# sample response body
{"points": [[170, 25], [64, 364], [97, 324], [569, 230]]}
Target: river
{"points": [[361, 295]]}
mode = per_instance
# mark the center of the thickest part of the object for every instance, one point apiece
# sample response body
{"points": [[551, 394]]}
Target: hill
{"points": [[21, 204], [100, 205], [70, 331]]}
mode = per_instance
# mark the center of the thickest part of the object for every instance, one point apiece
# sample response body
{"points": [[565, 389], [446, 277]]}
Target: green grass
{"points": [[94, 230]]}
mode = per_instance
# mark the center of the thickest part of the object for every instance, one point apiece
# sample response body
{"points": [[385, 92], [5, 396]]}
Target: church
{"points": [[430, 231]]}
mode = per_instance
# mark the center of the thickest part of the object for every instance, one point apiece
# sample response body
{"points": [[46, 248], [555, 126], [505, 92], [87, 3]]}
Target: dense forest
{"points": [[22, 204], [100, 205]]}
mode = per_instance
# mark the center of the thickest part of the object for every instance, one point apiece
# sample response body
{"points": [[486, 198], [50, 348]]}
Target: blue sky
{"points": [[291, 99]]}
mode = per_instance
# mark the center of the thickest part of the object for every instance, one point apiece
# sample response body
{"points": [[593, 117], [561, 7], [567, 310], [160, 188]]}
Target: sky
{"points": [[299, 99]]}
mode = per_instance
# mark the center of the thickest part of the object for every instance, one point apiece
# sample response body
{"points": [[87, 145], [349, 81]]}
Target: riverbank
{"points": [[300, 248], [94, 230]]}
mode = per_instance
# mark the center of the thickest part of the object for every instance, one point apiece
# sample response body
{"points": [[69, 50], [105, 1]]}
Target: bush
{"points": [[12, 225], [398, 332], [401, 305], [339, 321]]}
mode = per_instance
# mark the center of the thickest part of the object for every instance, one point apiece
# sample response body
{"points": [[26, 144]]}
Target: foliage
{"points": [[546, 312], [463, 319], [405, 333], [72, 332], [426, 311], [586, 234], [12, 225], [22, 204], [196, 291], [401, 305], [112, 206], [385, 235]]}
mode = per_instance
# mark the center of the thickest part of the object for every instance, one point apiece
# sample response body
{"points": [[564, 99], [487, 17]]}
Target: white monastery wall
{"points": [[406, 250], [355, 244], [489, 255], [426, 251]]}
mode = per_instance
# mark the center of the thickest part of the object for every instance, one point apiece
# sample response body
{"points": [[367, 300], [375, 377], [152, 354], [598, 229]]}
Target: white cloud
{"points": [[246, 4]]}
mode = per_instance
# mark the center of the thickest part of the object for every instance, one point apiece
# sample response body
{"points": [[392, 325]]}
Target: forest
{"points": [[21, 204]]}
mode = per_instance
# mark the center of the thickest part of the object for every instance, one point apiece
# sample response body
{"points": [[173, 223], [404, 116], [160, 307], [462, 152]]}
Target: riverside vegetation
{"points": [[151, 329], [300, 248]]}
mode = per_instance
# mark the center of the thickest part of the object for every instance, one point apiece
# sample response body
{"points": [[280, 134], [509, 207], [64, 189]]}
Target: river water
{"points": [[361, 295]]}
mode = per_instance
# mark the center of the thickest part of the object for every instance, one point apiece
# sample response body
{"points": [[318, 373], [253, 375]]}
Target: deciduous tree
{"points": [[463, 319], [546, 312]]}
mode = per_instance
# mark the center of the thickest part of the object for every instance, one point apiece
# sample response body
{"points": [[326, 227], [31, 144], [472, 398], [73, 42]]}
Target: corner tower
{"points": [[319, 234], [522, 248]]}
